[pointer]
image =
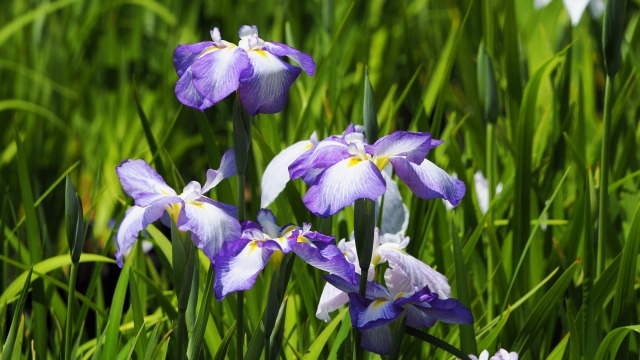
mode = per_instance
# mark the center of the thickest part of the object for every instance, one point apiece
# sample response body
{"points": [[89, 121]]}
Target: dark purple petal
{"points": [[304, 60], [377, 340], [428, 181], [143, 183], [374, 290], [217, 74], [342, 184], [450, 311], [329, 259], [368, 314], [186, 54], [237, 266], [413, 145], [264, 87]]}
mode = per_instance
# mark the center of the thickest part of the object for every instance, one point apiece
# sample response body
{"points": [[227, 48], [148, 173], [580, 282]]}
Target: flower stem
{"points": [[491, 182], [604, 172], [68, 343]]}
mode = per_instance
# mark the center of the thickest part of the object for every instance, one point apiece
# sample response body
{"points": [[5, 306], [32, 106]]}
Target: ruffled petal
{"points": [[450, 311], [329, 259], [342, 184], [406, 271], [368, 314], [331, 299], [304, 60], [211, 224], [227, 169], [217, 74], [413, 145], [428, 181], [395, 214], [188, 95], [186, 54], [265, 85], [276, 175], [143, 183], [136, 219], [575, 8], [377, 340], [314, 161], [237, 266]]}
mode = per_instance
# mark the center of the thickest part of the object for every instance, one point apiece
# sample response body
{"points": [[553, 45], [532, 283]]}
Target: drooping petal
{"points": [[217, 74], [415, 271], [377, 340], [264, 87], [428, 181], [211, 224], [227, 169], [313, 162], [304, 60], [136, 219], [331, 299], [237, 266], [413, 145], [143, 183], [276, 175], [368, 314], [342, 184], [395, 215], [187, 93], [185, 55], [575, 8], [374, 290], [329, 259], [450, 311]]}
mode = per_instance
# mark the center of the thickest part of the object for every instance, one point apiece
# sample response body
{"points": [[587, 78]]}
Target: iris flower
{"points": [[209, 71], [341, 170], [211, 223], [502, 354], [239, 262], [373, 313]]}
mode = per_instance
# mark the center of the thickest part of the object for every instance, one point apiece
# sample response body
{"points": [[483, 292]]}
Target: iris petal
{"points": [[187, 93], [377, 340], [136, 219], [227, 169], [428, 181], [186, 54], [265, 85], [413, 145], [367, 314], [276, 175], [304, 60], [342, 184], [143, 183], [217, 73], [331, 299], [237, 266], [395, 215]]}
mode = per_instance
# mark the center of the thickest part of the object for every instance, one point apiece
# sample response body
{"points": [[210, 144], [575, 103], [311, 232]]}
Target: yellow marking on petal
{"points": [[354, 161], [303, 239], [381, 162], [379, 302], [276, 259], [261, 52], [375, 260], [400, 294], [309, 146], [209, 50], [252, 246], [174, 211]]}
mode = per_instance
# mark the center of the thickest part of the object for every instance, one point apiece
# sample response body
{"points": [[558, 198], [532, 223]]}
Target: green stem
{"points": [[240, 294], [604, 173], [491, 183], [68, 343]]}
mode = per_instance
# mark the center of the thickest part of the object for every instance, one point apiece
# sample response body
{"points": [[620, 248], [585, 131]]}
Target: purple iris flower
{"points": [[341, 170], [239, 262], [211, 223], [373, 313], [209, 71]]}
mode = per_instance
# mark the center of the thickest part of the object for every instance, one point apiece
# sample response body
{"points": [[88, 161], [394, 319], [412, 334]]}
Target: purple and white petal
{"points": [[187, 93], [395, 214], [413, 145], [450, 311], [331, 299], [227, 169], [329, 259], [368, 314], [217, 74], [265, 84], [405, 272], [315, 160], [503, 354], [143, 183], [377, 340], [185, 55], [374, 290], [342, 184], [211, 224], [237, 266], [304, 60], [136, 219], [428, 181], [276, 175], [268, 223]]}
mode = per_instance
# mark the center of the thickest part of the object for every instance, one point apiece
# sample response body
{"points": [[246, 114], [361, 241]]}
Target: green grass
{"points": [[87, 84]]}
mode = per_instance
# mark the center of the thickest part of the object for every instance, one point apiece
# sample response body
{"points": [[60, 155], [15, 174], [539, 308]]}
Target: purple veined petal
{"points": [[265, 85], [342, 184], [415, 272], [374, 290], [211, 224], [136, 219], [368, 314], [304, 60], [428, 181], [395, 214], [237, 266], [331, 299], [377, 340], [143, 183], [267, 221], [325, 154], [329, 259], [413, 145], [217, 74], [276, 175], [250, 225], [185, 55], [227, 169], [187, 93], [450, 311]]}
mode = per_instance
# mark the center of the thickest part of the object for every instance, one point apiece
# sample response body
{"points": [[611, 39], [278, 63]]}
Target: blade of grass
{"points": [[10, 341]]}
